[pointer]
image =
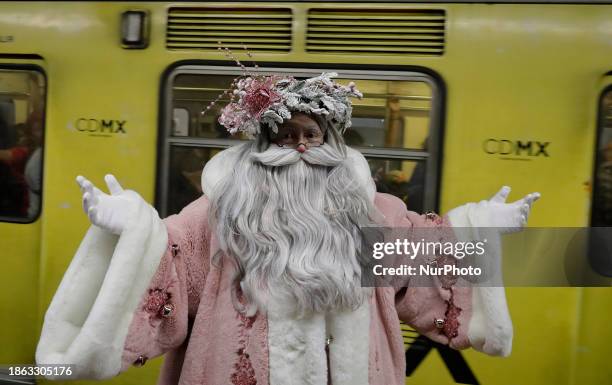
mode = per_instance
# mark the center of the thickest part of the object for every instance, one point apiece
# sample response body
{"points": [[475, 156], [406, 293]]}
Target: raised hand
{"points": [[509, 217], [110, 212]]}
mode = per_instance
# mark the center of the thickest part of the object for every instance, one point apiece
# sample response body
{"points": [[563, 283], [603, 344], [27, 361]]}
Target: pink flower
{"points": [[156, 300], [260, 95], [233, 117]]}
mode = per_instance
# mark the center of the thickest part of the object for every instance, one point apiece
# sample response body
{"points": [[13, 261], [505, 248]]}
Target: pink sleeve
{"points": [[440, 310], [160, 322]]}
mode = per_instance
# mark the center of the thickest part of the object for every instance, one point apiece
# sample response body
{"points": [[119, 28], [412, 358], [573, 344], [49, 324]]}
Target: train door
{"points": [[593, 334], [22, 105], [601, 213]]}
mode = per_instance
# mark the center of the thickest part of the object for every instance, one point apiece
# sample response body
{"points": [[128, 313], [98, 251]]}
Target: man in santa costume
{"points": [[258, 281]]}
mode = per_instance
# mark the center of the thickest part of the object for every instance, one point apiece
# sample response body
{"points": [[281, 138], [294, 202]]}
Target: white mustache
{"points": [[324, 155]]}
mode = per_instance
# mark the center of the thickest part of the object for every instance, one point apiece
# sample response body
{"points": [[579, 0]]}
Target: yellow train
{"points": [[459, 100]]}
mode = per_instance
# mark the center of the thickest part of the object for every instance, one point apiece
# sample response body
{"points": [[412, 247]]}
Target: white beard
{"points": [[290, 222]]}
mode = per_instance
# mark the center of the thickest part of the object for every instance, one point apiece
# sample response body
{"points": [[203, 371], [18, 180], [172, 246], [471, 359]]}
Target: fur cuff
{"points": [[87, 322], [490, 329]]}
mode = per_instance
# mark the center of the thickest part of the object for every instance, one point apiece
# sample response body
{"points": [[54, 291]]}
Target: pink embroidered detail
{"points": [[243, 374], [451, 322], [246, 322], [449, 326], [447, 280], [156, 300]]}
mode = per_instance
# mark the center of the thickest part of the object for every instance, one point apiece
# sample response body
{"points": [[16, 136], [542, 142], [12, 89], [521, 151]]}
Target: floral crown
{"points": [[257, 100]]}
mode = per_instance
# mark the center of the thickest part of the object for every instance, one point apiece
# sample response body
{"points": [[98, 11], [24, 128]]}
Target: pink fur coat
{"points": [[154, 291]]}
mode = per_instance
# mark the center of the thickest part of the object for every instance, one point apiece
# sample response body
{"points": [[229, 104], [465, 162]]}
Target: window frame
{"points": [[432, 157], [597, 156], [33, 68]]}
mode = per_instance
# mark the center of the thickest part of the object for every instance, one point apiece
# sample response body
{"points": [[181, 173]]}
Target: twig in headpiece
{"points": [[258, 100], [228, 91], [233, 86], [250, 55], [230, 55]]}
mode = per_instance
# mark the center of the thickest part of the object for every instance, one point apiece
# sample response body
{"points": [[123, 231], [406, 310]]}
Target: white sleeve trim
{"points": [[490, 330], [87, 322]]}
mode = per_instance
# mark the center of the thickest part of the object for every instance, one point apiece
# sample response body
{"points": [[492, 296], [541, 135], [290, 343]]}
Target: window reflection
{"points": [[403, 178], [186, 165], [394, 117], [392, 114], [21, 137], [193, 93]]}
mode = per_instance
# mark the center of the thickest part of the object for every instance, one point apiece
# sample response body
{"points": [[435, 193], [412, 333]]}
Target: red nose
{"points": [[301, 148]]}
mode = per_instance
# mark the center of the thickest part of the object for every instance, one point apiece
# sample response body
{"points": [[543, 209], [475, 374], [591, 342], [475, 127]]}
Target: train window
{"points": [[185, 174], [193, 93], [403, 178], [602, 193], [392, 114], [22, 97], [394, 125]]}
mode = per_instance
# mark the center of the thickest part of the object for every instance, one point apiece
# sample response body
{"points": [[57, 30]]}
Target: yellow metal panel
{"points": [[515, 72], [590, 361], [19, 256]]}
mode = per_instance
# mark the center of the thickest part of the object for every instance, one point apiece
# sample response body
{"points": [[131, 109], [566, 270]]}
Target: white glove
{"points": [[508, 217], [109, 212]]}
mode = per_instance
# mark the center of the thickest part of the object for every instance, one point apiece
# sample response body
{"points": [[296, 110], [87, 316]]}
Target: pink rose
{"points": [[260, 95]]}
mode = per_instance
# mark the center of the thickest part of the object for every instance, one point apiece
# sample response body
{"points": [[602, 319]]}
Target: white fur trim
{"points": [[349, 351], [88, 320], [297, 347], [490, 329], [223, 162], [362, 171], [218, 167]]}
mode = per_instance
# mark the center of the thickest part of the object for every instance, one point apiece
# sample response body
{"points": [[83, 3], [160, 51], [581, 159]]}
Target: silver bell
{"points": [[167, 310]]}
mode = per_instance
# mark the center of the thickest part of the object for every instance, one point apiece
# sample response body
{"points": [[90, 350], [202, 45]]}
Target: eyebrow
{"points": [[309, 126]]}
